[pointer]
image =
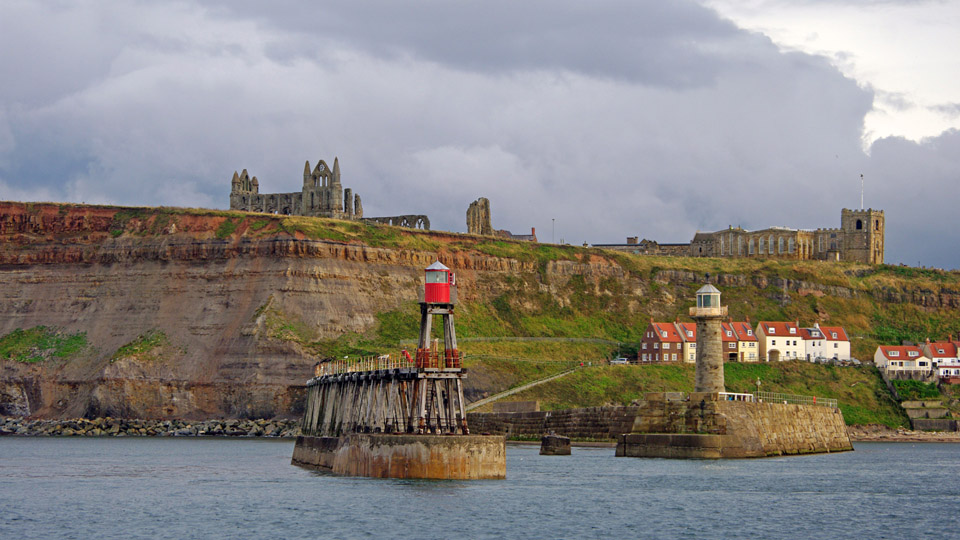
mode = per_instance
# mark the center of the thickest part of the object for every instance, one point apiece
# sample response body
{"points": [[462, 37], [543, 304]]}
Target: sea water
{"points": [[242, 488]]}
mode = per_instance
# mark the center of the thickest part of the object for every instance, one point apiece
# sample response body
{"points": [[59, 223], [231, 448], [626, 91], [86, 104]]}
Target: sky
{"points": [[591, 121]]}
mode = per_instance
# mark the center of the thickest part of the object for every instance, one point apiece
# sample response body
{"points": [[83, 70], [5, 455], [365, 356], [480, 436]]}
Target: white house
{"points": [[941, 352], [837, 342], [815, 345], [780, 341], [901, 358]]}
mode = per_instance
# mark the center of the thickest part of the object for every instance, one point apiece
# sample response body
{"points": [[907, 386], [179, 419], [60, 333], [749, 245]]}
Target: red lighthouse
{"points": [[437, 289]]}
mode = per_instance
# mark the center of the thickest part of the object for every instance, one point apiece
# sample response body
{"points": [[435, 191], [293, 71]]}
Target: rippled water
{"points": [[235, 488]]}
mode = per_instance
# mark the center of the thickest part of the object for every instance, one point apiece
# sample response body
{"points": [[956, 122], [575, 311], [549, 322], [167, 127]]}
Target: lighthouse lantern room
{"points": [[439, 279]]}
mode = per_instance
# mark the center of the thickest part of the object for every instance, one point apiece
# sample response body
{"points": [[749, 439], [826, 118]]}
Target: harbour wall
{"points": [[594, 423], [703, 426], [378, 455]]}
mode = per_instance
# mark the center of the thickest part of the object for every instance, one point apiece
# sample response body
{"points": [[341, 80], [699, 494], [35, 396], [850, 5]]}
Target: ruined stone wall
{"points": [[478, 217], [597, 423]]}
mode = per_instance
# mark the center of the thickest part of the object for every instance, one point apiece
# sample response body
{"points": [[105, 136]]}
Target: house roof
{"points": [[437, 266], [671, 332], [811, 333], [744, 331], [942, 349], [828, 332], [727, 328], [772, 328], [902, 352], [689, 331]]}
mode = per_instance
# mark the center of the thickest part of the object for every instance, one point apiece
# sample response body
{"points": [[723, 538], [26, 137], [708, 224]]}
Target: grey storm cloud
{"points": [[611, 118]]}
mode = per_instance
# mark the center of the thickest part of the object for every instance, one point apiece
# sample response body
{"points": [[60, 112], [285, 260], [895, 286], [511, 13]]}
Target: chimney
{"points": [[533, 231]]}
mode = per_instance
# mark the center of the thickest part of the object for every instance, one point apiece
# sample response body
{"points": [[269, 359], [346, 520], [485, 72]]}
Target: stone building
{"points": [[479, 222], [322, 195], [860, 238]]}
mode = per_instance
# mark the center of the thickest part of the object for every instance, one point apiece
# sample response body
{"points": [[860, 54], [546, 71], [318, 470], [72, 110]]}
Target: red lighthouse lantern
{"points": [[437, 289]]}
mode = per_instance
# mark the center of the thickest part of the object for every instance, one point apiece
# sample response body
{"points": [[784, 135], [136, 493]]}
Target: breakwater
{"points": [[117, 427], [384, 455], [702, 425], [590, 423]]}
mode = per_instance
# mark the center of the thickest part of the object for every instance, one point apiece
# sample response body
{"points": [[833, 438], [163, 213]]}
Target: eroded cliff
{"points": [[236, 296]]}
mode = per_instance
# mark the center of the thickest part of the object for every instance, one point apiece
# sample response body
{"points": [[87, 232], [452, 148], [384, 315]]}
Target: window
{"points": [[666, 346], [749, 332], [750, 246], [770, 245], [663, 333], [893, 354], [771, 330], [729, 333], [773, 342], [780, 245], [923, 364], [761, 245], [835, 346], [656, 345], [674, 357], [859, 225], [732, 346], [643, 345], [790, 246], [689, 333], [834, 334], [793, 330], [912, 354], [693, 345]]}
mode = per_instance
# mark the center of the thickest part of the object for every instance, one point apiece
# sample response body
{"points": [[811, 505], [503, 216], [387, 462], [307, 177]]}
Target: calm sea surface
{"points": [[236, 488]]}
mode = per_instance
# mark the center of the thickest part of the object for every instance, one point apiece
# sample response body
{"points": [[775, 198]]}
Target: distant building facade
{"points": [[860, 238]]}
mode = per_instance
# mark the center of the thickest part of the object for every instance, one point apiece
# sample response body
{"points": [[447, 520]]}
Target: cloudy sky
{"points": [[608, 118]]}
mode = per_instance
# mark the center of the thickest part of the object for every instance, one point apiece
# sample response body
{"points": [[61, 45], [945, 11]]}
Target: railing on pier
{"points": [[425, 358], [775, 397], [732, 396]]}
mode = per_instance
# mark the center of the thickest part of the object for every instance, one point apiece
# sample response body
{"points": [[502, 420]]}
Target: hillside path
{"points": [[510, 392]]}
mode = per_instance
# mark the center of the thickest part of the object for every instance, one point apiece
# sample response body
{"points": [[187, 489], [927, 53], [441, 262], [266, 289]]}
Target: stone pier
{"points": [[379, 455], [704, 425]]}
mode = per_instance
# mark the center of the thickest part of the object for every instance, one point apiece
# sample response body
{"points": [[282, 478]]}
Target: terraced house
{"points": [[780, 341], [662, 343]]}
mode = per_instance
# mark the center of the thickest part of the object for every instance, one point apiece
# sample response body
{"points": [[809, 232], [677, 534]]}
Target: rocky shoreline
{"points": [[878, 433], [119, 427]]}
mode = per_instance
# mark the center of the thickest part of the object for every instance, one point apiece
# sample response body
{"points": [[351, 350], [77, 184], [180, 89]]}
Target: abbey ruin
{"points": [[479, 222], [322, 195], [860, 238]]}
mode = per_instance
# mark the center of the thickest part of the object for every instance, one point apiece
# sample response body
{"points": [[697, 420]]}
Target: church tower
{"points": [[863, 235]]}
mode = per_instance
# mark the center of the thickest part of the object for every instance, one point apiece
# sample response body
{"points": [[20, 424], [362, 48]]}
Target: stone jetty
{"points": [[118, 427]]}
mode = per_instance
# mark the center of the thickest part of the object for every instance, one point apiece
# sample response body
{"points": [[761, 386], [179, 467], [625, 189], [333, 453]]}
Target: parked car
{"points": [[619, 361]]}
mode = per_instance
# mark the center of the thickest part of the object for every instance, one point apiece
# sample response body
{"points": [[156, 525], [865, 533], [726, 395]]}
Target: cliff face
{"points": [[100, 272], [221, 290]]}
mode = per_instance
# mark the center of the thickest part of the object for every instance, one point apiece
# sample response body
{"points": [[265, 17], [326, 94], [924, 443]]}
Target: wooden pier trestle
{"points": [[382, 395]]}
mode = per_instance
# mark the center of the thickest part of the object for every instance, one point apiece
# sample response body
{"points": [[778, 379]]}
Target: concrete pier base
{"points": [[700, 425], [554, 445], [456, 457]]}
